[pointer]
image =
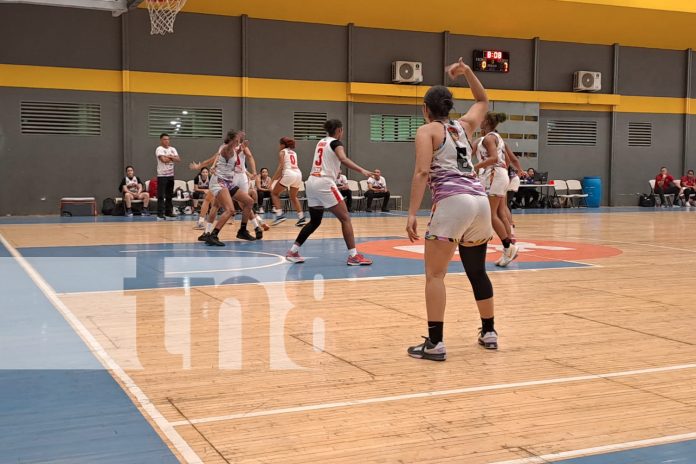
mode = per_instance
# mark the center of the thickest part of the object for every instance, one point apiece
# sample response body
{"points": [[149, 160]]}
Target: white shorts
{"points": [[218, 185], [496, 181], [322, 191], [514, 184], [291, 179], [463, 219], [241, 180]]}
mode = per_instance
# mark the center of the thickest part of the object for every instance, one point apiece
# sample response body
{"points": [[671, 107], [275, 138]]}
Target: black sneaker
{"points": [[428, 350], [302, 222], [213, 240], [368, 210], [204, 237], [171, 215], [244, 234], [259, 233], [488, 340], [160, 217]]}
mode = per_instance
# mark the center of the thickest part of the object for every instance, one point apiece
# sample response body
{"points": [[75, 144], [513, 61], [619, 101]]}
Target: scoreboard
{"points": [[491, 61]]}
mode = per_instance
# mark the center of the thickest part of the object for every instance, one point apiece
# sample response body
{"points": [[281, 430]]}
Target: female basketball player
{"points": [[323, 193], [288, 176], [242, 180], [491, 152], [461, 216], [224, 186]]}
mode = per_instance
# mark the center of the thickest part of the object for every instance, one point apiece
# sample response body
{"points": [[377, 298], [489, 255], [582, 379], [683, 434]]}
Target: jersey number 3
{"points": [[320, 160]]}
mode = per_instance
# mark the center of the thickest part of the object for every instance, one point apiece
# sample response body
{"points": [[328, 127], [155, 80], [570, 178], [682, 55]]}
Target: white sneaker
{"points": [[428, 350], [489, 340], [509, 254], [261, 211]]}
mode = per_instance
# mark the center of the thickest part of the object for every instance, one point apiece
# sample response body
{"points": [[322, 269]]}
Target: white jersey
{"points": [[225, 169], [240, 167], [483, 154], [326, 162], [289, 160], [132, 184]]}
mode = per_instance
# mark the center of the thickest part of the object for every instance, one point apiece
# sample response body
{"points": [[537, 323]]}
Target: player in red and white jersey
{"points": [[288, 176], [242, 179], [322, 193]]}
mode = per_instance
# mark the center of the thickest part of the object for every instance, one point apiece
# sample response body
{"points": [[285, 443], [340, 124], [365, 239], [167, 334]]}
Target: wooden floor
{"points": [[317, 371]]}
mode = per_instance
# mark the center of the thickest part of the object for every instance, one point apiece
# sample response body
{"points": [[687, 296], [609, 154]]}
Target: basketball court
{"points": [[125, 340], [233, 355]]}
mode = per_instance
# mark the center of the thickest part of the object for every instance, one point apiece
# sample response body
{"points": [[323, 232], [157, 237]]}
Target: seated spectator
{"points": [[200, 186], [377, 188], [664, 185], [528, 197], [263, 187], [342, 184], [133, 188], [688, 185]]}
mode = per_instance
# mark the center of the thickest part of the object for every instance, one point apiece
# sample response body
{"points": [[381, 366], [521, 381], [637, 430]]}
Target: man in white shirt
{"points": [[166, 157], [377, 188], [344, 190]]}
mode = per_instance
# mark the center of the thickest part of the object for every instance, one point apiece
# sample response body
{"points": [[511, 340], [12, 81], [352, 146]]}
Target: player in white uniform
{"points": [[492, 154], [322, 193], [242, 179], [288, 176], [461, 216], [224, 186]]}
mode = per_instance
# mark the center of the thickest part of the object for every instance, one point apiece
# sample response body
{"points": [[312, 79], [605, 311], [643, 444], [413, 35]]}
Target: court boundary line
{"points": [[599, 450], [432, 394], [350, 279], [166, 427]]}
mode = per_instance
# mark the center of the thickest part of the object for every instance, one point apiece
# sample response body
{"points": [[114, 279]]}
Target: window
{"points": [[394, 128], [572, 132], [185, 122], [60, 118], [309, 126], [639, 134]]}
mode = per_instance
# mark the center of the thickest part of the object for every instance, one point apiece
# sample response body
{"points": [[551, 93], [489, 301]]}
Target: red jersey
{"points": [[687, 181]]}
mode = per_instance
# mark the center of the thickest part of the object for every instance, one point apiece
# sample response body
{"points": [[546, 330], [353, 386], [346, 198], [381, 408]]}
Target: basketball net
{"points": [[162, 15]]}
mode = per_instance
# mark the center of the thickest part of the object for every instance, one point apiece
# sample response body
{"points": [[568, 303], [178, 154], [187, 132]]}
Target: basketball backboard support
{"points": [[116, 7]]}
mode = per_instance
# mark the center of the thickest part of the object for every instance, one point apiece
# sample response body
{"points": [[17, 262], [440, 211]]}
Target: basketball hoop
{"points": [[162, 15]]}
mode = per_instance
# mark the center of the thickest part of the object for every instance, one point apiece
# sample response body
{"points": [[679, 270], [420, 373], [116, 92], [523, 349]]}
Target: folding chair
{"points": [[576, 192]]}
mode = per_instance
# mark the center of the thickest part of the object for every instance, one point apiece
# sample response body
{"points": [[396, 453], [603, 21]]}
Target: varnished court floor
{"points": [[232, 355]]}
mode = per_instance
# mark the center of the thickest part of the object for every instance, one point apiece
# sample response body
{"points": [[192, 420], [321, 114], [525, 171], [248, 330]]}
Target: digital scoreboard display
{"points": [[491, 61]]}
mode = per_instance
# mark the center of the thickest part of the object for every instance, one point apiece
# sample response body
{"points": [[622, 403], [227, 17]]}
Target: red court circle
{"points": [[529, 250]]}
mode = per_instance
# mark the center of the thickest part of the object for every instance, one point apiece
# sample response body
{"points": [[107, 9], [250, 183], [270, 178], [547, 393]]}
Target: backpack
{"points": [[108, 206], [646, 200]]}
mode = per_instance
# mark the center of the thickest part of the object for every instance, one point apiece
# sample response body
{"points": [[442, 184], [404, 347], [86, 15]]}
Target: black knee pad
{"points": [[474, 261]]}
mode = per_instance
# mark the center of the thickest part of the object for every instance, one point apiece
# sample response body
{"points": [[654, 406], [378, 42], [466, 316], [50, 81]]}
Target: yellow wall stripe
{"points": [[45, 77], [585, 21]]}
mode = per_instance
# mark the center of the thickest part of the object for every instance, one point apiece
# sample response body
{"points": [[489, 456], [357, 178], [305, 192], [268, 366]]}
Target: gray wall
{"points": [[396, 160], [46, 168], [559, 60], [634, 166], [285, 50], [649, 72], [190, 149], [213, 45], [375, 49], [202, 44], [269, 120], [36, 35], [566, 162]]}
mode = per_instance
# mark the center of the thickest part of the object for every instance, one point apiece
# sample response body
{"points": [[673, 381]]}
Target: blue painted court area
{"points": [[57, 403], [122, 219], [672, 453], [132, 267]]}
